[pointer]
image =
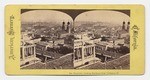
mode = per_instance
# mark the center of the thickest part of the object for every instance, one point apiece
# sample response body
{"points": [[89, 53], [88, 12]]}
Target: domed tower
{"points": [[123, 26], [63, 26], [68, 27], [128, 26]]}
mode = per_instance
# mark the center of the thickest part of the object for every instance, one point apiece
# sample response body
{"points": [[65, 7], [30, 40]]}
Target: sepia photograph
{"points": [[75, 39]]}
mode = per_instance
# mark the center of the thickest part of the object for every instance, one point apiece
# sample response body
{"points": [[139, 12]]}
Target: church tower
{"points": [[68, 27], [123, 26], [128, 26], [63, 26]]}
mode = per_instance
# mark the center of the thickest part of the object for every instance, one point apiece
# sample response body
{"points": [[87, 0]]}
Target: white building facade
{"points": [[27, 54], [84, 50]]}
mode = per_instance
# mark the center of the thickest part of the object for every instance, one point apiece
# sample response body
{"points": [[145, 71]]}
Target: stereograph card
{"points": [[74, 39]]}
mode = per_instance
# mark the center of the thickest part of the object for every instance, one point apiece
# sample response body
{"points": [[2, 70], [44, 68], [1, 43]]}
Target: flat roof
{"points": [[108, 53], [123, 62], [44, 43]]}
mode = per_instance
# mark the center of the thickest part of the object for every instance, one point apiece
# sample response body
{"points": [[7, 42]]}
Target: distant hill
{"points": [[38, 25]]}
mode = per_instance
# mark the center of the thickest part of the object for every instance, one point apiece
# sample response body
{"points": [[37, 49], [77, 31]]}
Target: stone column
{"points": [[74, 54], [94, 51], [34, 53], [90, 50], [82, 54], [77, 53], [31, 51], [27, 51], [24, 52], [23, 56], [105, 58], [85, 52]]}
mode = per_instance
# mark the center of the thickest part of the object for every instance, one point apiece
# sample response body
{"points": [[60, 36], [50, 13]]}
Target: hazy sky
{"points": [[103, 16], [57, 16], [45, 15]]}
